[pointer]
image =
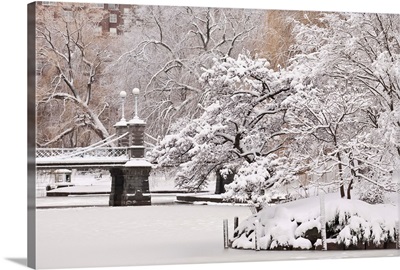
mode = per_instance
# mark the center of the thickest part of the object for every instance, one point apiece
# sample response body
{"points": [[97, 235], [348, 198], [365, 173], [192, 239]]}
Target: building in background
{"points": [[116, 16]]}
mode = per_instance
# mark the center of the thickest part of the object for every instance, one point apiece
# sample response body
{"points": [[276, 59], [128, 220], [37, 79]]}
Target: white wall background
{"points": [[13, 113]]}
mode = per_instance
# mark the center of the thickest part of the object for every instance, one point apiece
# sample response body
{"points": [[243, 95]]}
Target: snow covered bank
{"points": [[127, 236], [350, 224], [149, 235]]}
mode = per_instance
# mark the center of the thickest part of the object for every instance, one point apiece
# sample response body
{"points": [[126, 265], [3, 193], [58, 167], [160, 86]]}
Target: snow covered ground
{"points": [[164, 234], [104, 236]]}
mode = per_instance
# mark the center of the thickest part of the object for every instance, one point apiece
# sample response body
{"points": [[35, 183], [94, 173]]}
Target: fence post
{"points": [[235, 225], [398, 205], [226, 237], [322, 220], [397, 234], [257, 234]]}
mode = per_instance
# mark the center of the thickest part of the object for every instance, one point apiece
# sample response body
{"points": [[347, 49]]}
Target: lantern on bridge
{"points": [[136, 127], [122, 126]]}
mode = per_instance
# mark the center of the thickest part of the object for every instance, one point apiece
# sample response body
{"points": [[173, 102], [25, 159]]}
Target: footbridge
{"points": [[123, 154], [104, 155]]}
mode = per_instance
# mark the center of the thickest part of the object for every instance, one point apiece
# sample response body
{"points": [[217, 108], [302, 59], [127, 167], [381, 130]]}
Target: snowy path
{"points": [[163, 234]]}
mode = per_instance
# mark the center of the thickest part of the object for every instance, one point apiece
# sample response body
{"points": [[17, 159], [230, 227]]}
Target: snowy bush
{"points": [[372, 194], [259, 182], [348, 222], [302, 243]]}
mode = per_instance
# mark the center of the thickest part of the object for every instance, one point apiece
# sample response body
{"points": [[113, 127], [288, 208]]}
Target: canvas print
{"points": [[185, 135]]}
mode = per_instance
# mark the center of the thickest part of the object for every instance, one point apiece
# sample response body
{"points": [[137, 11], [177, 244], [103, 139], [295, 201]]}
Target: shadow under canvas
{"points": [[20, 261]]}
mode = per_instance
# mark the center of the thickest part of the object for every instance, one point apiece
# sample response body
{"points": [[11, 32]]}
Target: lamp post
{"points": [[136, 128], [135, 92], [122, 95], [130, 185]]}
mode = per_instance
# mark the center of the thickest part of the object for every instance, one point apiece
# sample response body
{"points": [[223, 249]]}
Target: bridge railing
{"points": [[79, 153]]}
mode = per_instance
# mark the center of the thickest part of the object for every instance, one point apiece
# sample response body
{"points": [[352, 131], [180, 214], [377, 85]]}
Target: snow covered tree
{"points": [[164, 57], [347, 97], [361, 49], [71, 55], [279, 37], [239, 130], [331, 123]]}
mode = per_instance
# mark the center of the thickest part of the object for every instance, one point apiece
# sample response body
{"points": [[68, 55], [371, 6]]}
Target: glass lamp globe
{"points": [[122, 94], [135, 91]]}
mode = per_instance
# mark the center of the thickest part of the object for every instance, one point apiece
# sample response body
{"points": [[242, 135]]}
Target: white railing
{"points": [[95, 152], [53, 152]]}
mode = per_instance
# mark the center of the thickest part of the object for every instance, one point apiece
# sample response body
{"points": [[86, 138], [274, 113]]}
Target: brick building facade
{"points": [[115, 17]]}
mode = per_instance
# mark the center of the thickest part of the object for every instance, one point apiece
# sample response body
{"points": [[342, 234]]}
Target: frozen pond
{"points": [[94, 200], [158, 234]]}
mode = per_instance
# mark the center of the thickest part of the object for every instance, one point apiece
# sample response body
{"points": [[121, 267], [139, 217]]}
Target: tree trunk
{"points": [[349, 188], [221, 182], [97, 126], [219, 187], [342, 192], [354, 174]]}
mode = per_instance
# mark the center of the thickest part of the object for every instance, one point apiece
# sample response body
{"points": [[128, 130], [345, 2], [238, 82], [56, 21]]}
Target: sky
{"points": [[13, 119]]}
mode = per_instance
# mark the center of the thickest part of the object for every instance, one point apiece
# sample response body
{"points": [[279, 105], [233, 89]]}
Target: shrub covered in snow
{"points": [[296, 225], [259, 182], [372, 194]]}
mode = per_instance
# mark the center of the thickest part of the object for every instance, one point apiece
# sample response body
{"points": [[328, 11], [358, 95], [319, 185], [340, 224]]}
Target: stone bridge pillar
{"points": [[121, 128], [130, 182], [136, 129]]}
